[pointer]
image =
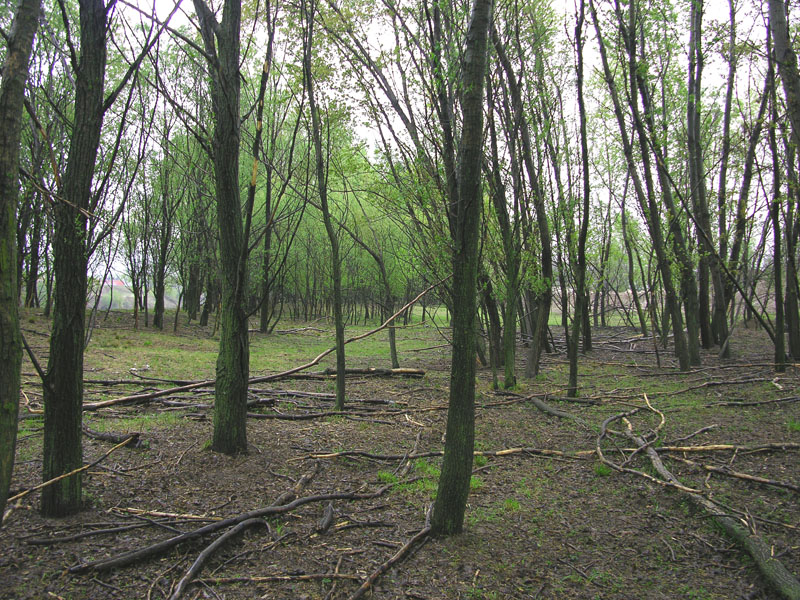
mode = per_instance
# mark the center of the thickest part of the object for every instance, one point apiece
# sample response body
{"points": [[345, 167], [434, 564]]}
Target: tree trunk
{"points": [[63, 389], [12, 95], [336, 265], [233, 361], [580, 306], [777, 239], [464, 217]]}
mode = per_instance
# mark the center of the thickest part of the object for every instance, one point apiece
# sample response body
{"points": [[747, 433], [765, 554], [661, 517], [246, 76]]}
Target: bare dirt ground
{"points": [[538, 525]]}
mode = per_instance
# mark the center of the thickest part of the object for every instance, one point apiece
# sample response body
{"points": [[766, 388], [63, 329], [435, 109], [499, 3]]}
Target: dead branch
{"points": [[83, 534], [755, 403], [131, 438], [546, 408], [777, 576], [163, 546], [65, 475], [731, 448], [399, 372], [209, 551], [580, 455], [738, 475], [272, 578], [396, 557]]}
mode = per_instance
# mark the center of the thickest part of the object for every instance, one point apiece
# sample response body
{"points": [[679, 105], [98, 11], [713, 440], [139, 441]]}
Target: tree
{"points": [[63, 390], [580, 305], [74, 242], [12, 88], [309, 9], [464, 216], [222, 45]]}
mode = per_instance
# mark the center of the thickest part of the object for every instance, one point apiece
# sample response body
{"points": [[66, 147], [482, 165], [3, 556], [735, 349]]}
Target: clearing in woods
{"points": [[548, 521]]}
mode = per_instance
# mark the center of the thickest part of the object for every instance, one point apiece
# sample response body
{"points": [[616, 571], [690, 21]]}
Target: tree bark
{"points": [[221, 42], [63, 389], [322, 185], [580, 286], [12, 91], [464, 215]]}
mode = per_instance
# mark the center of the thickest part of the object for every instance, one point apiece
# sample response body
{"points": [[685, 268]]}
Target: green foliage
{"points": [[602, 469]]}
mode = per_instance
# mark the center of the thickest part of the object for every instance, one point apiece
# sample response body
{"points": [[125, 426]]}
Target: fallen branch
{"points": [[131, 438], [399, 372], [755, 403], [777, 576], [272, 578], [738, 475], [580, 455], [70, 474], [396, 557], [203, 557], [163, 546]]}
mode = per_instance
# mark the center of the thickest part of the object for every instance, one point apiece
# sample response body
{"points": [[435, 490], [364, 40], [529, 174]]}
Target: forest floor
{"points": [[551, 521]]}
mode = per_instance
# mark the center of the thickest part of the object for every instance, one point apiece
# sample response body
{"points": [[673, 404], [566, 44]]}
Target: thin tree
{"points": [[464, 216], [12, 94], [222, 46], [580, 286], [309, 10]]}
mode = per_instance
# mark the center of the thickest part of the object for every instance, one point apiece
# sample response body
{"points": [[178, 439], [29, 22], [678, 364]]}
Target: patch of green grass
{"points": [[602, 469], [511, 505], [693, 593], [522, 488], [142, 423], [475, 483], [793, 425], [480, 461], [387, 477]]}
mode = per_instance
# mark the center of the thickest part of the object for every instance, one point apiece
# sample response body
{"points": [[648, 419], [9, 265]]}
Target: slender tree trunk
{"points": [[464, 218], [31, 285], [631, 274], [322, 184], [233, 362], [580, 285], [63, 388], [12, 94], [777, 239]]}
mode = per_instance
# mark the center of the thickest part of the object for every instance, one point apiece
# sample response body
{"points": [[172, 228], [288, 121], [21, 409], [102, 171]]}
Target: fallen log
{"points": [[399, 372]]}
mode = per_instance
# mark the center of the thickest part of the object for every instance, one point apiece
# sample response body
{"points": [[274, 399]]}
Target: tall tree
{"points": [[464, 216], [309, 10], [63, 390], [222, 45], [12, 88], [580, 287]]}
